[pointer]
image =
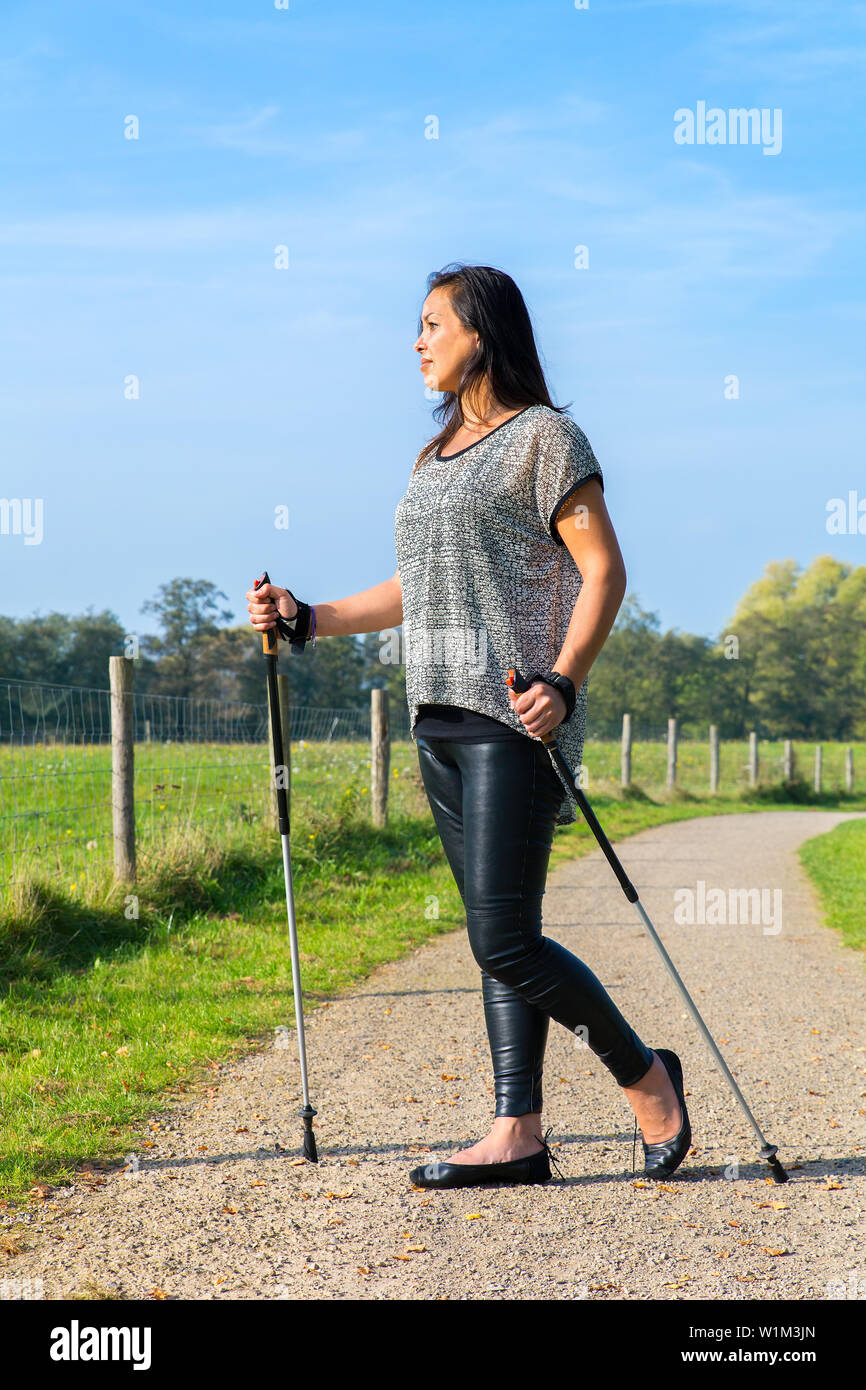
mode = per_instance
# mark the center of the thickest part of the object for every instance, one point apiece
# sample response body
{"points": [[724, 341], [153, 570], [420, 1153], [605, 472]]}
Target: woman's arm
{"points": [[587, 532], [370, 611]]}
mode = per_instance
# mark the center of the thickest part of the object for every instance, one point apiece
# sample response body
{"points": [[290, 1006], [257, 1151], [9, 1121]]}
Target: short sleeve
{"points": [[564, 462]]}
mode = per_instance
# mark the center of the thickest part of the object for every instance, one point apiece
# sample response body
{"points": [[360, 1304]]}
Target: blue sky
{"points": [[260, 387]]}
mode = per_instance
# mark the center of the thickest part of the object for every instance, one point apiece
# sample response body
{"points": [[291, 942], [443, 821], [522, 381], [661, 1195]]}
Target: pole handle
{"points": [[521, 684], [270, 645]]}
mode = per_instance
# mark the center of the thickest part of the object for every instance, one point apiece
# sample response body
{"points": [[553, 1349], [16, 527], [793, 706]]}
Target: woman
{"points": [[506, 558]]}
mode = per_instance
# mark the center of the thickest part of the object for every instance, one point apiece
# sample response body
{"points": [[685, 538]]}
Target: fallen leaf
{"points": [[472, 1215], [232, 1211], [767, 1251], [258, 1182], [158, 1293], [416, 1249], [349, 1192], [402, 1257]]}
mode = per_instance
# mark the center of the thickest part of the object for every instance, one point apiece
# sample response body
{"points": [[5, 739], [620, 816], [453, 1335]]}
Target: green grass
{"points": [[103, 1019], [105, 1015], [56, 798], [836, 863]]}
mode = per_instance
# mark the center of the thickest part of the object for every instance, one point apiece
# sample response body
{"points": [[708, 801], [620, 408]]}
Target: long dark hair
{"points": [[488, 302]]}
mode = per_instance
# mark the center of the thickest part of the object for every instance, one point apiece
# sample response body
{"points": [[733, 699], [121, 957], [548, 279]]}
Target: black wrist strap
{"points": [[560, 683], [296, 630]]}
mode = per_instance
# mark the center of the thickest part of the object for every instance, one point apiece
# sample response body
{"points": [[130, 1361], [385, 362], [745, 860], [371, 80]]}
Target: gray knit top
{"points": [[487, 584]]}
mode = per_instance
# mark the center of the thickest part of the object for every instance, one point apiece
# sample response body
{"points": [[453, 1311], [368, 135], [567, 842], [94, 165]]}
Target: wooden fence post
{"points": [[788, 760], [380, 756], [849, 769], [122, 767], [625, 757], [819, 758], [672, 753], [753, 758], [714, 757]]}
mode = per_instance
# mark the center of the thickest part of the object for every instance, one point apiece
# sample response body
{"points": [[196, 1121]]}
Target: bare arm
{"points": [[372, 610], [587, 532]]}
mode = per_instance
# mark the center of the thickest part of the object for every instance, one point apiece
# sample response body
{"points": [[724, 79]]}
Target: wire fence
{"points": [[207, 762], [196, 761]]}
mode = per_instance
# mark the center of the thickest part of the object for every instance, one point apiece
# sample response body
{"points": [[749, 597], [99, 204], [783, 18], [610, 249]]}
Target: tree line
{"points": [[790, 662]]}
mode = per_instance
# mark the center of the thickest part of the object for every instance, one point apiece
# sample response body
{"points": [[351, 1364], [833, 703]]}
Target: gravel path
{"points": [[399, 1068]]}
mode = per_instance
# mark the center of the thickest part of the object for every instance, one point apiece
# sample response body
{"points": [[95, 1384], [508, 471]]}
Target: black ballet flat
{"points": [[534, 1168], [661, 1160]]}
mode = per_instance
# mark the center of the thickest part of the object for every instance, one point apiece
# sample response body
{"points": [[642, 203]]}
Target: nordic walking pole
{"points": [[768, 1151], [269, 647]]}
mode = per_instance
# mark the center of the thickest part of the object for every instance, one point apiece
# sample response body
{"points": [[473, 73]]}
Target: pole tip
{"points": [[307, 1112], [777, 1172]]}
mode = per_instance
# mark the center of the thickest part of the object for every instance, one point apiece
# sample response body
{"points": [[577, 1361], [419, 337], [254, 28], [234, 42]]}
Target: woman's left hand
{"points": [[540, 708]]}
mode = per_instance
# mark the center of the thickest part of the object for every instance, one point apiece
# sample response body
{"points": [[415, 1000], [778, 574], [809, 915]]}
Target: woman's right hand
{"points": [[260, 603]]}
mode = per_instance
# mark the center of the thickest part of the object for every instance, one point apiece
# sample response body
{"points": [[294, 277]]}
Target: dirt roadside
{"points": [[399, 1070]]}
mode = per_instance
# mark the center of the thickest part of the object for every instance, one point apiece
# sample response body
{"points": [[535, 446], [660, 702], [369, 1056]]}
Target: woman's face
{"points": [[444, 344]]}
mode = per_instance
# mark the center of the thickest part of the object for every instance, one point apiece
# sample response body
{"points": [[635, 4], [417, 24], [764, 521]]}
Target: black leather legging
{"points": [[494, 805]]}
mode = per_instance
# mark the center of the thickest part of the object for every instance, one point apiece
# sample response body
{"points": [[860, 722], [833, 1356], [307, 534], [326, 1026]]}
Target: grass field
{"points": [[112, 1002], [836, 863], [55, 812]]}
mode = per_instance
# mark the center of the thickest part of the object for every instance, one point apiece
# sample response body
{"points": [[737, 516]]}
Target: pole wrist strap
{"points": [[562, 684], [299, 629]]}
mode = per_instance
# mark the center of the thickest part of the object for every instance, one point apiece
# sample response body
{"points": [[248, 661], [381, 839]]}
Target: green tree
{"points": [[802, 640], [182, 661], [60, 650]]}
